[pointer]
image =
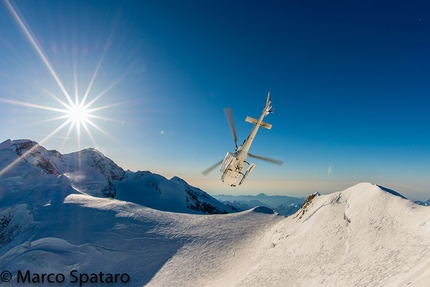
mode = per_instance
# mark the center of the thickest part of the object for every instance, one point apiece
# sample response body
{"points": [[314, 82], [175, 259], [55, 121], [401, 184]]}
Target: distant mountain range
{"points": [[425, 203], [283, 205]]}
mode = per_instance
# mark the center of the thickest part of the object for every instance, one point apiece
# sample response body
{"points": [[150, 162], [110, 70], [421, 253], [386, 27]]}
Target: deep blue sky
{"points": [[349, 81]]}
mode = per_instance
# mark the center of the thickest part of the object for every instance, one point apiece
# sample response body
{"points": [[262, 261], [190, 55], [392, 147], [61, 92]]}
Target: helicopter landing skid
{"points": [[248, 170]]}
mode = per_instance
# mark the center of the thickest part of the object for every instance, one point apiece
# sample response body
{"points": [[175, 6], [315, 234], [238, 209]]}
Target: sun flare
{"points": [[78, 114]]}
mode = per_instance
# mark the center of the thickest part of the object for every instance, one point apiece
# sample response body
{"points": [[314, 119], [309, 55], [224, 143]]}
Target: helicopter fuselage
{"points": [[234, 163], [234, 166]]}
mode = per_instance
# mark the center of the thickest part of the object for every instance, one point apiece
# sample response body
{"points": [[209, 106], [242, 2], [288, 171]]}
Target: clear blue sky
{"points": [[350, 81]]}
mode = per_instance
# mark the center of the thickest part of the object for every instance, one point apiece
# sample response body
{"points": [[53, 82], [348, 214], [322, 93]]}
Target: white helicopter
{"points": [[234, 163]]}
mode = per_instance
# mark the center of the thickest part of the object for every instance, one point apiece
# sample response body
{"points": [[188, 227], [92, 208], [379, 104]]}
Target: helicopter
{"points": [[234, 163]]}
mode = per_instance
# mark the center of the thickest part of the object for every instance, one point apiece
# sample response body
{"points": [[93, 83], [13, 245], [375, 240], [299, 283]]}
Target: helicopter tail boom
{"points": [[268, 101], [255, 121]]}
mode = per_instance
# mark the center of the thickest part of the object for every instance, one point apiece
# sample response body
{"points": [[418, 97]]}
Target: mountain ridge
{"points": [[90, 171]]}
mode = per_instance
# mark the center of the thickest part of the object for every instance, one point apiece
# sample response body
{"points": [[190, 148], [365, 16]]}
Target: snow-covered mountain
{"points": [[366, 235], [284, 205], [27, 166]]}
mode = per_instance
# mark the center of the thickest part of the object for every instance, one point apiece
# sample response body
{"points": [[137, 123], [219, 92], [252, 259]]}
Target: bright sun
{"points": [[78, 114]]}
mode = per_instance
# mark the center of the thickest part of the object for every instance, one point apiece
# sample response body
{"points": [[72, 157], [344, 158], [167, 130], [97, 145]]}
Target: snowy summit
{"points": [[90, 172], [58, 217]]}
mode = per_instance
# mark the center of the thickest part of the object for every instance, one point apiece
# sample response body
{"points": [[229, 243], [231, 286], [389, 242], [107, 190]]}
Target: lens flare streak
{"points": [[38, 49], [75, 113]]}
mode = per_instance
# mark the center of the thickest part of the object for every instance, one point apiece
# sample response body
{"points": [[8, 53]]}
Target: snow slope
{"points": [[362, 236], [93, 235]]}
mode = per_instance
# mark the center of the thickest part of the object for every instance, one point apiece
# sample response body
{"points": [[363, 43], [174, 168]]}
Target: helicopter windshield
{"points": [[227, 159]]}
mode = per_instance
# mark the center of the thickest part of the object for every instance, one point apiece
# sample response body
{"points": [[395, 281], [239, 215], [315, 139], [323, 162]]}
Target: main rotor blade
{"points": [[208, 170], [229, 115], [271, 160]]}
